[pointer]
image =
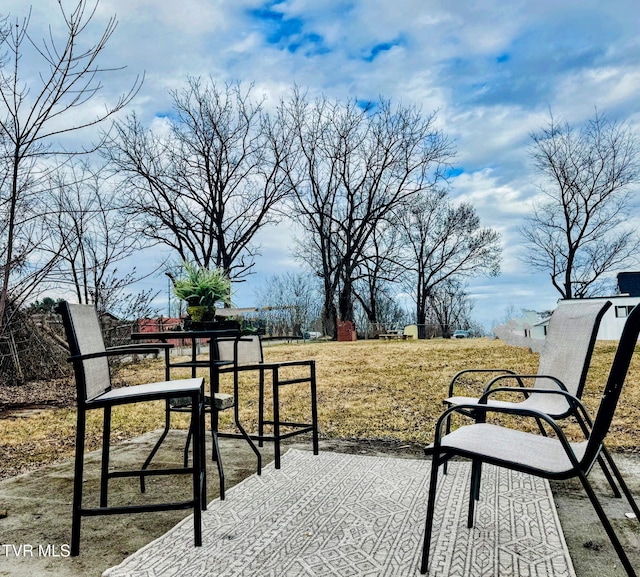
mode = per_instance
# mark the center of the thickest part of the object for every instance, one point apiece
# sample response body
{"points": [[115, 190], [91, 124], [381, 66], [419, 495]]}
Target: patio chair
{"points": [[564, 363], [94, 391], [551, 457], [246, 355]]}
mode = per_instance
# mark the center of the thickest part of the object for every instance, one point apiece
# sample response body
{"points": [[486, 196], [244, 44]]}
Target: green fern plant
{"points": [[201, 286]]}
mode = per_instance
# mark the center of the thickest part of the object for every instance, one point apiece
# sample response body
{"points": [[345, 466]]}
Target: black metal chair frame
{"points": [[274, 369], [453, 444], [192, 388]]}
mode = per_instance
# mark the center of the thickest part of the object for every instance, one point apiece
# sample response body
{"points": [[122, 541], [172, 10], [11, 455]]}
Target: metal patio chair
{"points": [[564, 363], [550, 457], [94, 391], [246, 355]]}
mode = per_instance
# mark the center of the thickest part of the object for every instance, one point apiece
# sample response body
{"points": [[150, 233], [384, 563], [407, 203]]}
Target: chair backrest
{"points": [[245, 350], [569, 343], [84, 337], [613, 387]]}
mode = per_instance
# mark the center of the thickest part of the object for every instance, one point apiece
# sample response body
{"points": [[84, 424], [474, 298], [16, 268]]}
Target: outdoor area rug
{"points": [[355, 515]]}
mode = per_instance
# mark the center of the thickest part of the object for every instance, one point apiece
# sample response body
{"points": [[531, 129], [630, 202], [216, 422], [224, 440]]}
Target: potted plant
{"points": [[201, 288]]}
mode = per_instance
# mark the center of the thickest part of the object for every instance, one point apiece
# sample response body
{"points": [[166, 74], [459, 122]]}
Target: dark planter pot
{"points": [[211, 325]]}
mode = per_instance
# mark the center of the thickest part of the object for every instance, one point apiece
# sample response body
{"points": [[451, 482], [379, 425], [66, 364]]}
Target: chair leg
{"points": [[261, 409], [474, 490], [76, 514], [314, 411], [607, 473], [202, 452], [276, 416], [252, 445], [167, 425], [185, 452], [583, 422], [607, 526], [218, 460], [196, 426], [106, 445], [428, 528], [447, 430], [625, 489], [238, 424]]}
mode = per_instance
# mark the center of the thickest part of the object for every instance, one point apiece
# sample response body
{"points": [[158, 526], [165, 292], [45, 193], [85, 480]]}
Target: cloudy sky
{"points": [[492, 69]]}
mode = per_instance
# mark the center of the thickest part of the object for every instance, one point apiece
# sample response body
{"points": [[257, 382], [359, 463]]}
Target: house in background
{"points": [[628, 296], [530, 330]]}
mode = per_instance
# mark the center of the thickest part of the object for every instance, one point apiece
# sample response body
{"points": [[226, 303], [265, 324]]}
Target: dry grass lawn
{"points": [[366, 390]]}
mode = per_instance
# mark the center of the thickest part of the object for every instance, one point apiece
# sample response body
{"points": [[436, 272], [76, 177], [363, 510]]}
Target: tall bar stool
{"points": [[246, 355], [94, 391]]}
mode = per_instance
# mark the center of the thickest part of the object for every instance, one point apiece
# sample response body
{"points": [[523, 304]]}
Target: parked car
{"points": [[310, 335], [460, 334]]}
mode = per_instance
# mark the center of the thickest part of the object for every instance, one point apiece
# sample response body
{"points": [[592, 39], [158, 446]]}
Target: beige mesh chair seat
{"points": [[551, 457], [94, 391]]}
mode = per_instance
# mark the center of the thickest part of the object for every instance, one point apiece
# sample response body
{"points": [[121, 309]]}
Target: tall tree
{"points": [[208, 186], [444, 242], [355, 164], [577, 233], [37, 108], [378, 274]]}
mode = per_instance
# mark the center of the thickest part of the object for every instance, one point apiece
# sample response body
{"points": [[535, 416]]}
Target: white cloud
{"points": [[492, 69]]}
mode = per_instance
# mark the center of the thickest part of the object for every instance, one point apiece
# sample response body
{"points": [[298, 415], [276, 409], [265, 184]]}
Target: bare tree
{"points": [[92, 237], [379, 273], [577, 234], [355, 164], [211, 184], [451, 306], [294, 300], [38, 107], [444, 243]]}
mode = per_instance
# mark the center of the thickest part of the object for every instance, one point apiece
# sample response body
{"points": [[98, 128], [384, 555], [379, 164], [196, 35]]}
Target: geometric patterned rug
{"points": [[347, 515]]}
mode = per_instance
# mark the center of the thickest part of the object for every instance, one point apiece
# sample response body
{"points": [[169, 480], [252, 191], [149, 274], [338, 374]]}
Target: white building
{"points": [[614, 319], [622, 303]]}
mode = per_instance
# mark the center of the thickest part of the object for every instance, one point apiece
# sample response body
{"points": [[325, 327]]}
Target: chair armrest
{"points": [[114, 352], [479, 371], [264, 366], [279, 364], [572, 400], [491, 385], [140, 346]]}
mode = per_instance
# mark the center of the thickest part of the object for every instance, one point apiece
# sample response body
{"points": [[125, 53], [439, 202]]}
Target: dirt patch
{"points": [[59, 393]]}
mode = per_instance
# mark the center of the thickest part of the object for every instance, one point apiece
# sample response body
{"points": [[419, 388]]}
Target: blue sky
{"points": [[492, 69]]}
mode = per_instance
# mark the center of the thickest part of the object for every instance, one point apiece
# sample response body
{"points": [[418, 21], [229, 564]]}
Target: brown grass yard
{"points": [[366, 390]]}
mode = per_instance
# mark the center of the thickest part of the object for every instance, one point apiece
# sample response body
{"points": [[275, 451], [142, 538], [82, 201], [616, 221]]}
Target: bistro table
{"points": [[213, 363]]}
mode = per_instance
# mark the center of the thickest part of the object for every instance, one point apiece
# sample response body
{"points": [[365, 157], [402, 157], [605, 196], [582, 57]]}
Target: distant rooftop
{"points": [[629, 283]]}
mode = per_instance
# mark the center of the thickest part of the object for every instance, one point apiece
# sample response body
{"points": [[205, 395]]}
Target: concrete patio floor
{"points": [[35, 532]]}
